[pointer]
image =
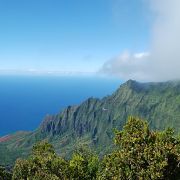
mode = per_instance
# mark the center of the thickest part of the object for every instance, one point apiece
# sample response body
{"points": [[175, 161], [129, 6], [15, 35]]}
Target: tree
{"points": [[142, 154], [84, 164], [4, 174], [42, 164]]}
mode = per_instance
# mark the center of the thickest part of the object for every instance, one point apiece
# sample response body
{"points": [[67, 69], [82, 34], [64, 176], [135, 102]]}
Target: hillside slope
{"points": [[93, 121]]}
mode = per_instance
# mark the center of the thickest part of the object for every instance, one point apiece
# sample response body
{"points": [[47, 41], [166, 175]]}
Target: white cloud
{"points": [[163, 61], [127, 66], [141, 55]]}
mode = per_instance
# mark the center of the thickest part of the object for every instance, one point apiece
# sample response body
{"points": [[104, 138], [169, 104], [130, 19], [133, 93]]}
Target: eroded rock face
{"points": [[157, 102], [74, 118]]}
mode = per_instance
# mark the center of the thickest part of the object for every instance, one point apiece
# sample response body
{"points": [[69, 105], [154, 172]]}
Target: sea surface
{"points": [[26, 100]]}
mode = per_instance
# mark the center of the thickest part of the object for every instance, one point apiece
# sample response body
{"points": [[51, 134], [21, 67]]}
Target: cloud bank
{"points": [[127, 66], [163, 60]]}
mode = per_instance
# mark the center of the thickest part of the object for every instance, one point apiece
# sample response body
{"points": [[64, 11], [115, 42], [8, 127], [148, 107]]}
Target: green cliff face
{"points": [[93, 121]]}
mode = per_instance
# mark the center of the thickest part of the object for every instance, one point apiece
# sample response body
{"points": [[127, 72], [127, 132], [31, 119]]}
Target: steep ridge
{"points": [[93, 121], [157, 102]]}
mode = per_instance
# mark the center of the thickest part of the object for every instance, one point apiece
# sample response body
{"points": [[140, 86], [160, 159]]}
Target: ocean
{"points": [[26, 100]]}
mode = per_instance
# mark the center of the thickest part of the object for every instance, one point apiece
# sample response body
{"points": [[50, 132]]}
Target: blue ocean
{"points": [[26, 100]]}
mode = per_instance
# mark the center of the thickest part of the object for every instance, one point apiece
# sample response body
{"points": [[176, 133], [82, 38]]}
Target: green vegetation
{"points": [[143, 154], [42, 164], [92, 122], [83, 165], [140, 154], [5, 174]]}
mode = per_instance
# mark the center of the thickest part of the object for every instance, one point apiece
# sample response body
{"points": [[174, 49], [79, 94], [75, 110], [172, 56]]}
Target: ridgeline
{"points": [[93, 121]]}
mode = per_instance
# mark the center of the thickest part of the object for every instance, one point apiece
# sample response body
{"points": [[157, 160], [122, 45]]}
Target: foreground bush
{"points": [[84, 165], [43, 164], [4, 174], [141, 154]]}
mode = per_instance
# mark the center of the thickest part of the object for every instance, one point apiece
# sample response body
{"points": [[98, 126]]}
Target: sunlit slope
{"points": [[93, 121]]}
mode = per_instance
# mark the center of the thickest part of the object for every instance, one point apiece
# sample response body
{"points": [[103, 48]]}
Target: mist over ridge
{"points": [[162, 61]]}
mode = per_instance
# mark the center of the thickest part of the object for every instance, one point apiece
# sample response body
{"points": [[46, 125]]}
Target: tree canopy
{"points": [[139, 154], [143, 154]]}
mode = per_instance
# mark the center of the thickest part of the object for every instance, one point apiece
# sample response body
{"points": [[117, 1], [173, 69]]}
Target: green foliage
{"points": [[84, 165], [45, 164], [142, 154], [42, 164], [43, 149], [4, 174]]}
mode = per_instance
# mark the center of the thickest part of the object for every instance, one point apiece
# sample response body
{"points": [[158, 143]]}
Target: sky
{"points": [[121, 38], [161, 61]]}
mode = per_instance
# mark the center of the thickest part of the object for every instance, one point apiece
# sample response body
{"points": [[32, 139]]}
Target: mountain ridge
{"points": [[92, 122]]}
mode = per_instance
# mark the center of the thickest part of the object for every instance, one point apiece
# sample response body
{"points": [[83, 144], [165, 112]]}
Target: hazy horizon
{"points": [[26, 100], [119, 38]]}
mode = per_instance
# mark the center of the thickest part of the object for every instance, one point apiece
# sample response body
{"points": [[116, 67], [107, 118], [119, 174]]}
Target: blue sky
{"points": [[70, 35]]}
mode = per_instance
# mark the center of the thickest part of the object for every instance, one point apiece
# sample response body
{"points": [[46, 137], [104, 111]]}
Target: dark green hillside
{"points": [[92, 122], [140, 154]]}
